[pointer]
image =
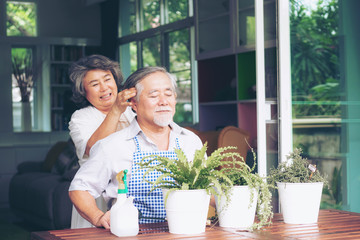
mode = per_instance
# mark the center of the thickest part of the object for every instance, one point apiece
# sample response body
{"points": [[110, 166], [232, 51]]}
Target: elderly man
{"points": [[152, 132]]}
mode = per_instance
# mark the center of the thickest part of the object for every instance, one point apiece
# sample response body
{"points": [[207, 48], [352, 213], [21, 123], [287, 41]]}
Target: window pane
{"points": [[133, 57], [180, 65], [315, 62], [246, 22], [21, 19], [22, 89], [319, 97], [151, 51], [127, 17], [128, 58], [151, 14], [177, 10]]}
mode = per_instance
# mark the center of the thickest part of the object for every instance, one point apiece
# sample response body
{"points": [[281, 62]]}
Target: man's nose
{"points": [[163, 100]]}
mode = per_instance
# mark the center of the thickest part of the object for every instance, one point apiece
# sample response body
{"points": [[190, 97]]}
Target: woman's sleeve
{"points": [[82, 125]]}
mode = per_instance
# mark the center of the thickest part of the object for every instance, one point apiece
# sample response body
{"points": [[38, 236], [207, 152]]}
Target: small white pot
{"points": [[186, 211], [300, 202], [237, 213]]}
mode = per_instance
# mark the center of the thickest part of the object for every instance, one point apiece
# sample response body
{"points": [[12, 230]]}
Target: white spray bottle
{"points": [[124, 216]]}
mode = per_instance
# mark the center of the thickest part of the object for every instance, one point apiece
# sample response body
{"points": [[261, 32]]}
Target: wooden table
{"points": [[332, 224]]}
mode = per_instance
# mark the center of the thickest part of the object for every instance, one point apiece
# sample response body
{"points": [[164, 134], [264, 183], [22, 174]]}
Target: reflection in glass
{"points": [[21, 19], [151, 51], [180, 65]]}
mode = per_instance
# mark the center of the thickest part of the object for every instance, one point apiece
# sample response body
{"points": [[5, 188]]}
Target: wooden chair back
{"points": [[233, 136]]}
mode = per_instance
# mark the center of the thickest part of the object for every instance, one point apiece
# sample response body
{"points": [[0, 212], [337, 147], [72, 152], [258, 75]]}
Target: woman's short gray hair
{"points": [[135, 78], [78, 70]]}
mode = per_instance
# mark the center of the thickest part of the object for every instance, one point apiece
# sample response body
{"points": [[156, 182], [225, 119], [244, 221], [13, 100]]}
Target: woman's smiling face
{"points": [[101, 89]]}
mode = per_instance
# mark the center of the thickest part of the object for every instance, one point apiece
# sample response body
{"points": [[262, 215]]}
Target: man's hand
{"points": [[86, 206], [104, 221]]}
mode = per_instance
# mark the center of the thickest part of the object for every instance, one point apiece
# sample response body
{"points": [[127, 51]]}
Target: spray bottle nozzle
{"points": [[121, 177]]}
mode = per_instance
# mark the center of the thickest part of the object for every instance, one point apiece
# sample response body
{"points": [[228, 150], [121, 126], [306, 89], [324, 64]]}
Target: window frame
{"points": [[163, 30]]}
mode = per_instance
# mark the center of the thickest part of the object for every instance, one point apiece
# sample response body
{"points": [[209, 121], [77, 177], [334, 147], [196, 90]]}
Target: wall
{"points": [[69, 18], [58, 22]]}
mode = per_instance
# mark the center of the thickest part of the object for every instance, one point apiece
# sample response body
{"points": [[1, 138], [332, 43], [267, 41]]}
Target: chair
{"points": [[233, 136], [228, 136], [211, 137]]}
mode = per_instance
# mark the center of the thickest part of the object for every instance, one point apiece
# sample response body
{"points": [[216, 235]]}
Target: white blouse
{"points": [[84, 123]]}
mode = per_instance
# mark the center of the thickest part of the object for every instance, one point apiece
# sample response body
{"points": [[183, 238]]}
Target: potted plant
{"points": [[300, 187], [250, 194], [187, 197]]}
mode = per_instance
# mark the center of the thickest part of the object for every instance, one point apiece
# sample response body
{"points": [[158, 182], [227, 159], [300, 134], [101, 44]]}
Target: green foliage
{"points": [[21, 18], [201, 173], [296, 171], [181, 115], [178, 9], [151, 51], [220, 171], [314, 58]]}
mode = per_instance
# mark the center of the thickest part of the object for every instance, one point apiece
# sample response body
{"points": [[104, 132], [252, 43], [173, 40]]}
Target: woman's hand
{"points": [[122, 99]]}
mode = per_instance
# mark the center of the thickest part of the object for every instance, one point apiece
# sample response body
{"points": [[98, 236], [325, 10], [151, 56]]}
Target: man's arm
{"points": [[86, 206]]}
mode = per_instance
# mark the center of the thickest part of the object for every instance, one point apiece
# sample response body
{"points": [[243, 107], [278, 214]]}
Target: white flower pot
{"points": [[237, 213], [300, 202], [186, 211]]}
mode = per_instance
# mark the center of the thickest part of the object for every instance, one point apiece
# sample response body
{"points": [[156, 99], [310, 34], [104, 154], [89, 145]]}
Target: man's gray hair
{"points": [[135, 78]]}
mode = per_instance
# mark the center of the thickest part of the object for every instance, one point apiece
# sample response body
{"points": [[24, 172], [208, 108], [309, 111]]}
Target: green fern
{"points": [[200, 173], [216, 174]]}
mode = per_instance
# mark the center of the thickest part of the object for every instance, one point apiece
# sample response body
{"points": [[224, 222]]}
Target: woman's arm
{"points": [[110, 123]]}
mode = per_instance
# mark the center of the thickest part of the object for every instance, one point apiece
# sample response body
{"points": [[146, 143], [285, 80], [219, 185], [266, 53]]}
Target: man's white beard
{"points": [[163, 121]]}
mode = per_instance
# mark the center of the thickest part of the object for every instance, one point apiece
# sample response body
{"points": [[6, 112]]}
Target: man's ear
{"points": [[134, 104]]}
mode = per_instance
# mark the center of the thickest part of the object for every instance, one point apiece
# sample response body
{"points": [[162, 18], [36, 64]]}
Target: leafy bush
{"points": [[298, 170]]}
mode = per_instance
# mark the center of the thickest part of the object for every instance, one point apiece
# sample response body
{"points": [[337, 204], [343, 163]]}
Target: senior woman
{"points": [[104, 109]]}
